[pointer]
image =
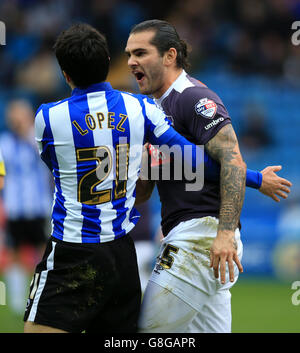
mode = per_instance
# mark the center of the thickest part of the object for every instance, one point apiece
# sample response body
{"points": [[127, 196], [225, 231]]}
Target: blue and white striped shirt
{"points": [[92, 142], [28, 191]]}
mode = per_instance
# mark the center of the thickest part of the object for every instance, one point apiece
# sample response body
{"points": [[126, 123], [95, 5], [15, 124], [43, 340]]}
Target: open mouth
{"points": [[139, 76]]}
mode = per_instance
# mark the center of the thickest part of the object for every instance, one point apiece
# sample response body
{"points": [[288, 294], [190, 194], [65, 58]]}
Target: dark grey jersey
{"points": [[198, 114]]}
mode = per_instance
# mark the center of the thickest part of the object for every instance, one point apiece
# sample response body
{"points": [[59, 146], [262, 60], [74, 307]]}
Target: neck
{"points": [[71, 84], [170, 78]]}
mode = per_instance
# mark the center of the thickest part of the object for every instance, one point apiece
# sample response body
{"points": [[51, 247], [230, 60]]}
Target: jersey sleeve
{"points": [[156, 123], [39, 126], [158, 132], [2, 166], [202, 113], [41, 137]]}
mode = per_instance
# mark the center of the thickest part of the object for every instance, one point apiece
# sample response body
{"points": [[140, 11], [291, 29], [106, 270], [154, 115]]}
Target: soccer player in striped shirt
{"points": [[27, 198], [189, 289], [92, 142]]}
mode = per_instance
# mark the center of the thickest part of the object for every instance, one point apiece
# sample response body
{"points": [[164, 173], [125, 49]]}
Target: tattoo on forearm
{"points": [[224, 148], [232, 196]]}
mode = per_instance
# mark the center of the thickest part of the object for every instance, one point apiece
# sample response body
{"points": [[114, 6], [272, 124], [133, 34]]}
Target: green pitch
{"points": [[257, 306], [264, 306]]}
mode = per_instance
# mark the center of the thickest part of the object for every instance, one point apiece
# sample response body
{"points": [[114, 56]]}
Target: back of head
{"points": [[20, 116], [82, 53], [165, 37]]}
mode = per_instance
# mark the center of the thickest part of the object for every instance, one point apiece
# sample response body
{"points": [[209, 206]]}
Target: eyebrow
{"points": [[135, 50]]}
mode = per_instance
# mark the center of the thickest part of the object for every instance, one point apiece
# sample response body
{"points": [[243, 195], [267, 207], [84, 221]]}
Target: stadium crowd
{"points": [[249, 36]]}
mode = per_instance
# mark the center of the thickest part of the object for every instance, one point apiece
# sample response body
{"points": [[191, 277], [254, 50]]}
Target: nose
{"points": [[131, 61]]}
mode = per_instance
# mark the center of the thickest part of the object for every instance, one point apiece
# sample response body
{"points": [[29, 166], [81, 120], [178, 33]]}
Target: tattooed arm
{"points": [[224, 148]]}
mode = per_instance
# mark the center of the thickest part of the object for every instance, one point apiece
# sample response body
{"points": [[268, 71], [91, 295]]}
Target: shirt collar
{"points": [[102, 86], [168, 91]]}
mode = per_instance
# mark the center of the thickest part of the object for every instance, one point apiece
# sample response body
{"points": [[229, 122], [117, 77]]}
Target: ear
{"points": [[68, 80], [67, 77], [170, 57]]}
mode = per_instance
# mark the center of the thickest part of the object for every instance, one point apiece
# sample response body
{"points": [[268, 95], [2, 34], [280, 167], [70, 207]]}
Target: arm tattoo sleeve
{"points": [[224, 149]]}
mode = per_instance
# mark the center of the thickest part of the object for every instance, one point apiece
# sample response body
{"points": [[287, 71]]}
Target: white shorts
{"points": [[183, 294]]}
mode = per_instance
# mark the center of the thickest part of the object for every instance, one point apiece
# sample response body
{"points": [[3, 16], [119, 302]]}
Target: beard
{"points": [[153, 81]]}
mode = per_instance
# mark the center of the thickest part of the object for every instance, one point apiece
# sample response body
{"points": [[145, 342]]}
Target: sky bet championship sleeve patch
{"points": [[206, 108]]}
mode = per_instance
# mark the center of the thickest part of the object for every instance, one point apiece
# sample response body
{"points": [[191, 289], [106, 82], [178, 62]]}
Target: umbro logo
{"points": [[213, 123]]}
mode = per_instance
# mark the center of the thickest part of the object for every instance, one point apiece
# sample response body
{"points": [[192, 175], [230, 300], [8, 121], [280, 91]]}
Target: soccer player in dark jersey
{"points": [[199, 260]]}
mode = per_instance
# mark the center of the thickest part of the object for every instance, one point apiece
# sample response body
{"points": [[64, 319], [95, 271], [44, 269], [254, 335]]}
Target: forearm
{"points": [[232, 191], [224, 149], [212, 172], [144, 190], [211, 161]]}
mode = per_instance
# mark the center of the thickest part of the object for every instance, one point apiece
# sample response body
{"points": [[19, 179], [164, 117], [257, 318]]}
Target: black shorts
{"points": [[26, 232], [86, 287]]}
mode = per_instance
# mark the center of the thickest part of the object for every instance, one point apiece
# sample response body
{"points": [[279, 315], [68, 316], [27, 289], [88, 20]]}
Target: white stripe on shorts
{"points": [[43, 279]]}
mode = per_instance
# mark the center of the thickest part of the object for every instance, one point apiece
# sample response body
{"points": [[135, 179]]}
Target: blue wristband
{"points": [[212, 172], [253, 179], [212, 168]]}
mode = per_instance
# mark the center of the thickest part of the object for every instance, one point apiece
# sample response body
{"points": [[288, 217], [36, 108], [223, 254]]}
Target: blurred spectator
{"points": [[195, 23], [272, 54], [292, 65], [243, 58], [40, 75], [26, 197], [2, 215], [255, 134], [246, 36]]}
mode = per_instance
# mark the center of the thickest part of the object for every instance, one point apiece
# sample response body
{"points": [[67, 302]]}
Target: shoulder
{"points": [[146, 104], [139, 97], [199, 100], [45, 107], [136, 101], [192, 95], [5, 138]]}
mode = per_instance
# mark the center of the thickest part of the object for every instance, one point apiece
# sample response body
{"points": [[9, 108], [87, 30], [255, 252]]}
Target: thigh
{"points": [[79, 287], [215, 316], [164, 312], [58, 282], [183, 268], [185, 254], [122, 307]]}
